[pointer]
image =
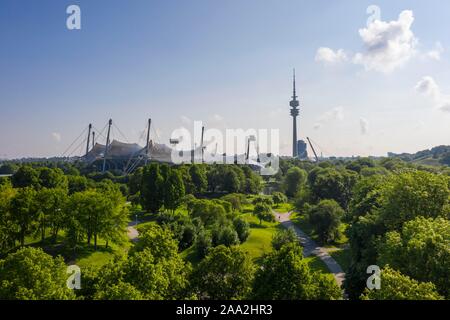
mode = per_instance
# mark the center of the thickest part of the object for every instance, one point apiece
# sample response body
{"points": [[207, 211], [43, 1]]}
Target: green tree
{"points": [[143, 276], [294, 180], [31, 274], [279, 198], [396, 286], [77, 183], [285, 275], [26, 176], [330, 183], [235, 200], [24, 212], [173, 190], [208, 211], [224, 235], [152, 197], [420, 250], [242, 228], [203, 243], [283, 237], [252, 181], [159, 241], [325, 217], [263, 212], [99, 214], [52, 210], [225, 273], [7, 223], [231, 181], [411, 194], [198, 178], [52, 178]]}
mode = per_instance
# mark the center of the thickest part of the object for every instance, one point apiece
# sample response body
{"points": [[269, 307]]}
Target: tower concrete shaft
{"points": [[294, 113]]}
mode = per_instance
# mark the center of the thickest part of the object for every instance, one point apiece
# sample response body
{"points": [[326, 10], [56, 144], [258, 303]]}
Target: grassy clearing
{"points": [[283, 207], [260, 240]]}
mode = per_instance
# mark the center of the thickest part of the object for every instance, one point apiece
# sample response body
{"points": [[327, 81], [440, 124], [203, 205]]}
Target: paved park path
{"points": [[132, 232], [310, 247]]}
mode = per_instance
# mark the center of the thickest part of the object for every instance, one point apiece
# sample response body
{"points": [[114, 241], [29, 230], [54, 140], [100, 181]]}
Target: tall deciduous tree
{"points": [[263, 212], [31, 274], [152, 188], [295, 178], [198, 178], [173, 190], [225, 273], [325, 217], [24, 212], [51, 205], [285, 275], [26, 176], [7, 224]]}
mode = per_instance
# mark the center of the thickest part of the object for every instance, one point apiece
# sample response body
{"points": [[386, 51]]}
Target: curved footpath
{"points": [[132, 232], [310, 247]]}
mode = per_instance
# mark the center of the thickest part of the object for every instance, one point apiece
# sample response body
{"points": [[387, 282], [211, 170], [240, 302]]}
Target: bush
{"points": [[278, 198], [283, 237], [203, 243], [225, 235], [242, 228]]}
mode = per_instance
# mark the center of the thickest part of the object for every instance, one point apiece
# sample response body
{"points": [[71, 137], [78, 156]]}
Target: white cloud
{"points": [[56, 136], [388, 45], [435, 54], [217, 117], [428, 87], [185, 120], [335, 114], [328, 56], [364, 126]]}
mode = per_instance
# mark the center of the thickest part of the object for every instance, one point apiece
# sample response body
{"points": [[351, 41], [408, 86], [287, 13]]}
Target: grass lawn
{"points": [[260, 240], [283, 207], [87, 256]]}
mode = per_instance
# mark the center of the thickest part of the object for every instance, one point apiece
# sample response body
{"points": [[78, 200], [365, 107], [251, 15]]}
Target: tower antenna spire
{"points": [[294, 104], [295, 92]]}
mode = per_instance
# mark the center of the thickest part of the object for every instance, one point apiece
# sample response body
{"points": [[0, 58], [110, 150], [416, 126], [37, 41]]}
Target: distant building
{"points": [[301, 149]]}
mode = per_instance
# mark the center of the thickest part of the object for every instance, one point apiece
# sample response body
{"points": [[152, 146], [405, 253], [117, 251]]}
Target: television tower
{"points": [[294, 113]]}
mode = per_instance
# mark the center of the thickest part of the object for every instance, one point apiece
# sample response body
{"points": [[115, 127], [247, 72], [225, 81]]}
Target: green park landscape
{"points": [[209, 231]]}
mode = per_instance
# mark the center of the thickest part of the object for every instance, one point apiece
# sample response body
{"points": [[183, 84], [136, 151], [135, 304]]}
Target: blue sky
{"points": [[228, 63]]}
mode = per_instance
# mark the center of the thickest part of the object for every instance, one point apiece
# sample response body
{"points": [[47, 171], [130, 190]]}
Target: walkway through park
{"points": [[310, 247], [132, 232]]}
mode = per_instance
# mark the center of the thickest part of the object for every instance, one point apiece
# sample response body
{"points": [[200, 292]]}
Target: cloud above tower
{"points": [[328, 56], [387, 45]]}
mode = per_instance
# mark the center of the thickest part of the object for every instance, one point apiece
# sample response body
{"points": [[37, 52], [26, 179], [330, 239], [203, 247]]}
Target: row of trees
{"points": [[39, 211], [160, 185], [154, 269]]}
